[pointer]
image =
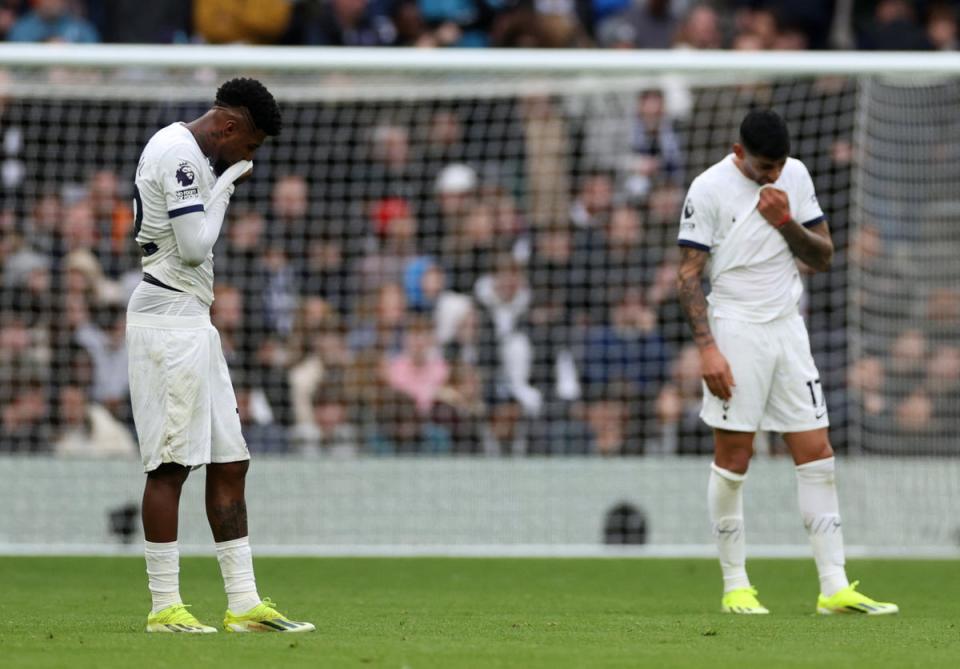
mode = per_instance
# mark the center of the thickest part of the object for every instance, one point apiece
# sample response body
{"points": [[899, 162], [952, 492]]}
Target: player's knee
{"points": [[170, 474], [230, 471]]}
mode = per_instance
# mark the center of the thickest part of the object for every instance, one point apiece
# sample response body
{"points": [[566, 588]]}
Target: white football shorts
{"points": [[777, 383], [184, 406]]}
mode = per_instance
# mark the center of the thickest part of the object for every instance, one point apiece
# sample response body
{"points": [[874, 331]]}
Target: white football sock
{"points": [[163, 573], [236, 565], [817, 496], [725, 502]]}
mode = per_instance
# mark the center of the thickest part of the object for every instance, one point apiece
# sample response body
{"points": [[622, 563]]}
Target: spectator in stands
{"points": [[392, 171], [914, 416], [243, 21], [607, 418], [138, 22], [9, 11], [103, 337], [626, 351], [113, 218], [53, 21], [43, 222], [288, 224], [908, 362], [411, 28], [760, 23], [700, 29], [347, 23], [505, 349], [942, 315], [333, 432], [594, 201], [395, 239], [227, 314], [24, 411], [455, 189], [548, 169], [419, 370], [460, 409], [425, 285], [942, 27], [88, 430], [894, 28], [318, 352], [280, 290], [460, 23], [239, 254], [651, 24], [943, 385], [662, 214], [380, 320], [678, 428], [469, 249], [262, 434], [22, 339], [655, 147]]}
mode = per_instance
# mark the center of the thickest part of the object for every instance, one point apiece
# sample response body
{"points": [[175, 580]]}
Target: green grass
{"points": [[451, 613]]}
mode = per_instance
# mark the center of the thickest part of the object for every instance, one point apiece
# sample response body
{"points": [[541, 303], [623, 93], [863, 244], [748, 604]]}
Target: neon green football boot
{"points": [[263, 618], [849, 600], [743, 601], [176, 619]]}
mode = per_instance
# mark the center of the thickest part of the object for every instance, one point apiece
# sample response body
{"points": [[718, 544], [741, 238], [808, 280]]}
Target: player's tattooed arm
{"points": [[811, 245], [690, 294]]}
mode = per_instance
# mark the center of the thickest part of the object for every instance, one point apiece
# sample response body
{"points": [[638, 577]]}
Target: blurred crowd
{"points": [[490, 276], [619, 24]]}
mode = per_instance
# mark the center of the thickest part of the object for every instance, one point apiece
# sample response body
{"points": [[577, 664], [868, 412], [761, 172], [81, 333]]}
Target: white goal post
{"points": [[513, 213]]}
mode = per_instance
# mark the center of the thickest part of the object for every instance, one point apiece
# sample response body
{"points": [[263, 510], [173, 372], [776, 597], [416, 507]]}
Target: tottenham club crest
{"points": [[185, 175]]}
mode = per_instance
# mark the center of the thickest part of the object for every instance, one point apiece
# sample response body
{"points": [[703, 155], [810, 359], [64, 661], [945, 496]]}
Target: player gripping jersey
{"points": [[752, 215]]}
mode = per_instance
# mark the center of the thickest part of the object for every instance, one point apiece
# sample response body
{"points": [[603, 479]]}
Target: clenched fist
{"points": [[774, 206]]}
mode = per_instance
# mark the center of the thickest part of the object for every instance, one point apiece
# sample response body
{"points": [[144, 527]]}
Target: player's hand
{"points": [[774, 205], [245, 176], [716, 372]]}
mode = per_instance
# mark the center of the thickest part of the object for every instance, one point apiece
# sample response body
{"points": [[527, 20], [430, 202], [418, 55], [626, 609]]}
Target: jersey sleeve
{"points": [[806, 210], [697, 218], [179, 172]]}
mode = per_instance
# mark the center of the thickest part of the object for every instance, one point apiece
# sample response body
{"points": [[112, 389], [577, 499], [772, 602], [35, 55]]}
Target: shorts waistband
{"points": [[165, 322]]}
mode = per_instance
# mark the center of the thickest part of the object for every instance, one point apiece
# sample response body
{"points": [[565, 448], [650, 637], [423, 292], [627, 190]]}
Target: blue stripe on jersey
{"points": [[693, 245], [817, 220], [184, 210]]}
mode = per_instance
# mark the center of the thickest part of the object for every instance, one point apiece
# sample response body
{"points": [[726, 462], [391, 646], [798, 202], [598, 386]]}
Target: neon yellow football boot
{"points": [[176, 619], [263, 618], [849, 600], [743, 601]]}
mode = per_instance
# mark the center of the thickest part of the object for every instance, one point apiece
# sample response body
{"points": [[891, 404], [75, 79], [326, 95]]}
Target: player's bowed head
{"points": [[761, 155], [243, 115]]}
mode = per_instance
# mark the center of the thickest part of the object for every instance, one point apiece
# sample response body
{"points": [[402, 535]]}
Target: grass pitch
{"points": [[453, 613]]}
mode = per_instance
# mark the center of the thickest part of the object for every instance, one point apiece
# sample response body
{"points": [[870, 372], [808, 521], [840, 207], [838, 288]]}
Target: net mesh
{"points": [[472, 263]]}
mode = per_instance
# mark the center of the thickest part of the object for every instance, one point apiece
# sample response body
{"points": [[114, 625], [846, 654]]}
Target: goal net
{"points": [[447, 295]]}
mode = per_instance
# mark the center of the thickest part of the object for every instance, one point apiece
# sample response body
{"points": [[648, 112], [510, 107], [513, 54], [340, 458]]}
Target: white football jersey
{"points": [[753, 275], [174, 178]]}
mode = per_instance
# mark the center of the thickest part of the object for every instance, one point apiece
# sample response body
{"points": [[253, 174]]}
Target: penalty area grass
{"points": [[456, 613]]}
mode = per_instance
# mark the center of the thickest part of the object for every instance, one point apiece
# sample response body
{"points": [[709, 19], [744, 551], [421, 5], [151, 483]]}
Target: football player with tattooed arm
{"points": [[183, 402], [752, 215]]}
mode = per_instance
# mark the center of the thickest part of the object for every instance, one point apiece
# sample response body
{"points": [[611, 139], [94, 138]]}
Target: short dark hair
{"points": [[250, 93], [764, 133]]}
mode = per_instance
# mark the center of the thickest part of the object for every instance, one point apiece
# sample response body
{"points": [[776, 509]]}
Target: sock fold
{"points": [[163, 573], [820, 510], [725, 505], [236, 565]]}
